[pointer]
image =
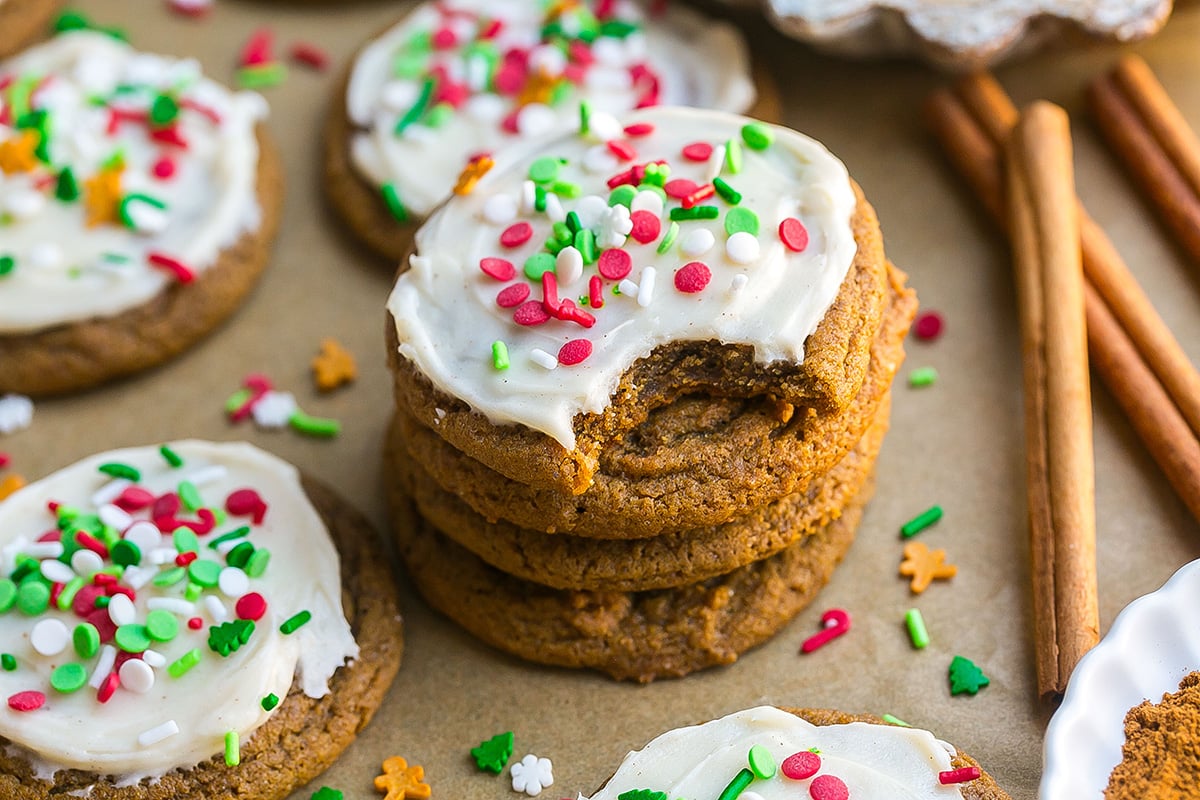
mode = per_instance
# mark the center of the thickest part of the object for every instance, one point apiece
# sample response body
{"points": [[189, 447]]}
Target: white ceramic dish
{"points": [[1153, 643]]}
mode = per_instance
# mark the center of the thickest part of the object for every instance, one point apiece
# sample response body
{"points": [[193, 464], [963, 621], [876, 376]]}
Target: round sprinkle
{"points": [[121, 610], [33, 597], [756, 136], [537, 265], [86, 639], [145, 535], [530, 313], [513, 296], [56, 571], [185, 540], [828, 787], [516, 235], [692, 277], [161, 625], [697, 151], [136, 676], [793, 234], [696, 242], [8, 662], [761, 762], [68, 678], [928, 326], [544, 169], [195, 623], [741, 220], [49, 637], [258, 562], [233, 582], [646, 226], [26, 701], [614, 264], [203, 572], [742, 248], [250, 606], [680, 188], [125, 553], [800, 766], [574, 352], [498, 268], [132, 638], [8, 594]]}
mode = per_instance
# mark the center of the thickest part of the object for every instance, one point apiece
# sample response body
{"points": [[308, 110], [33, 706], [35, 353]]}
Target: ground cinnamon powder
{"points": [[1161, 756]]}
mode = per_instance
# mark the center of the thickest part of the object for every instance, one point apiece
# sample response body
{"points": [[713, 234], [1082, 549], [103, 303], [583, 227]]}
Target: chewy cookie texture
{"points": [[636, 420]]}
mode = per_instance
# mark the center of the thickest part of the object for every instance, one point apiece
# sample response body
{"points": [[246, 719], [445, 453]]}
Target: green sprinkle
{"points": [[733, 156], [324, 427], [538, 265], [163, 111], [756, 136], [237, 400], [180, 666], [656, 175], [192, 592], [33, 598], [67, 596], [439, 115], [695, 212], [391, 197], [585, 117], [71, 21], [642, 794], [125, 553], [737, 785], [417, 109], [617, 28], [26, 566], [240, 555], [103, 601], [236, 533], [727, 192], [669, 239], [185, 540], [739, 220], [325, 793], [493, 754], [8, 594], [233, 753], [539, 198], [67, 188], [409, 65], [573, 224], [544, 169], [916, 628], [966, 677], [229, 636], [170, 577], [132, 638], [189, 495], [261, 76], [500, 355], [890, 720], [116, 470], [291, 624], [761, 762], [922, 376], [585, 243], [257, 564], [203, 572], [622, 195], [921, 521], [7, 264], [566, 189], [86, 639], [170, 456], [269, 702], [161, 625], [115, 161], [68, 678], [8, 661]]}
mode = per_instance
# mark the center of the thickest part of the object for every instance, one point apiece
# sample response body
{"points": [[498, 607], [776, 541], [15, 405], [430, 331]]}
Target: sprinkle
{"points": [[738, 220], [928, 326], [697, 151], [257, 49], [801, 766], [417, 109], [737, 785], [49, 637], [402, 782], [757, 136], [595, 292], [158, 733], [10, 484], [696, 212], [692, 277], [67, 188], [136, 676], [7, 264], [475, 169], [104, 666], [493, 754], [921, 521], [516, 235], [891, 720], [8, 662], [33, 598], [294, 622], [727, 192], [333, 366], [250, 606], [532, 774], [8, 594], [965, 677], [576, 351], [68, 678], [530, 313], [742, 248], [925, 565], [182, 273], [542, 358], [916, 628], [627, 288], [314, 426], [703, 193], [191, 8], [922, 376], [391, 198], [614, 264], [828, 787], [195, 623], [646, 287], [762, 763], [132, 638], [216, 609], [568, 266], [257, 564], [793, 234], [679, 188], [960, 775], [184, 663], [26, 701], [733, 156], [836, 621], [261, 76], [269, 702], [161, 625], [513, 296], [309, 55], [233, 753], [498, 268]]}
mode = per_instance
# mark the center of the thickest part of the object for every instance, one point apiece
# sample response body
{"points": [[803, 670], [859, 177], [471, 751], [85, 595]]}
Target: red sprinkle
{"points": [[117, 589], [182, 273], [680, 188], [574, 352], [164, 168], [569, 312], [51, 536], [703, 193], [169, 135], [204, 525], [550, 293], [5, 460], [799, 766], [595, 292], [622, 149], [646, 226], [56, 590], [530, 313], [109, 687], [246, 502], [102, 622], [250, 606], [928, 326], [513, 296], [793, 234], [960, 775], [633, 176], [516, 234], [85, 599], [183, 559], [692, 277], [828, 787], [614, 264], [91, 543], [195, 623], [258, 48], [165, 508], [698, 151], [104, 580], [639, 129], [26, 701], [836, 622], [310, 55], [444, 38], [492, 29], [134, 498]]}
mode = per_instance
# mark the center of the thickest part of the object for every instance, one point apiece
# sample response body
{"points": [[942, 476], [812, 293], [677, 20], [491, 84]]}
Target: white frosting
{"points": [[218, 694], [700, 62], [66, 270], [876, 762], [446, 311]]}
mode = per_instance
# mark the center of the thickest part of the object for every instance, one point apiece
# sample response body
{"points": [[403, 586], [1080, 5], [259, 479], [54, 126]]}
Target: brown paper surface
{"points": [[956, 443]]}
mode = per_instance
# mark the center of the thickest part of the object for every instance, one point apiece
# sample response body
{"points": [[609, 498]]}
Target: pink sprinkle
{"points": [[692, 277], [960, 775], [164, 168], [174, 266], [680, 188], [452, 94], [246, 502], [195, 623], [574, 352], [646, 226], [639, 129], [102, 622], [109, 687], [498, 268], [530, 313], [258, 49], [516, 234], [614, 264], [595, 292], [191, 8], [836, 622], [513, 296], [793, 234], [828, 787], [799, 766], [444, 38], [622, 149], [698, 151], [580, 53], [310, 55], [103, 579], [928, 326], [251, 605], [26, 701]]}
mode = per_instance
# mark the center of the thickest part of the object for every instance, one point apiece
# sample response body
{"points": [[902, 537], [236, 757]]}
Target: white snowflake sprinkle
{"points": [[16, 413], [615, 226], [532, 774], [274, 409]]}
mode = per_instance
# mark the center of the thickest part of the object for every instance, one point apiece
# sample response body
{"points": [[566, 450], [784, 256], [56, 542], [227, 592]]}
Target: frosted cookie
{"points": [[452, 83], [788, 753], [139, 200], [187, 622], [22, 21], [716, 256]]}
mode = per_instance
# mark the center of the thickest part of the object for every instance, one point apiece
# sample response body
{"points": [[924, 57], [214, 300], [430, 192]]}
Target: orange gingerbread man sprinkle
{"points": [[475, 169], [402, 782], [10, 484], [334, 366], [19, 154], [925, 565], [102, 197]]}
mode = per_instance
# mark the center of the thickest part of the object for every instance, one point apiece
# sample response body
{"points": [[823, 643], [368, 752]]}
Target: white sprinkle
{"points": [[43, 549], [543, 359], [154, 658], [136, 676], [548, 60], [697, 241], [536, 119], [628, 289], [738, 282], [145, 535], [110, 491], [486, 107], [121, 610], [233, 582], [16, 413], [440, 413], [398, 96], [86, 563], [49, 637], [205, 475], [274, 409], [147, 218], [23, 204], [158, 733], [420, 133], [114, 517], [554, 209], [609, 51], [647, 200], [528, 198], [162, 555], [215, 608], [715, 162], [599, 160], [137, 577], [44, 255], [104, 665], [55, 571], [742, 247], [602, 125], [568, 266], [590, 209], [646, 287], [175, 605], [500, 209]]}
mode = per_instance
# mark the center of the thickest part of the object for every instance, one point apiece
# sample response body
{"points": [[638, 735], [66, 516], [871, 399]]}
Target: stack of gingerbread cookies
{"points": [[642, 375]]}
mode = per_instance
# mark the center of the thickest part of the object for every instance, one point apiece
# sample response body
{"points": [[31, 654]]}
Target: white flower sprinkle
{"points": [[532, 774], [274, 409]]}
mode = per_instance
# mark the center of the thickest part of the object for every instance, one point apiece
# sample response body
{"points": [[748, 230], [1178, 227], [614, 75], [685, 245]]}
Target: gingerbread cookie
{"points": [[781, 753], [22, 21], [427, 104], [139, 201], [199, 622]]}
